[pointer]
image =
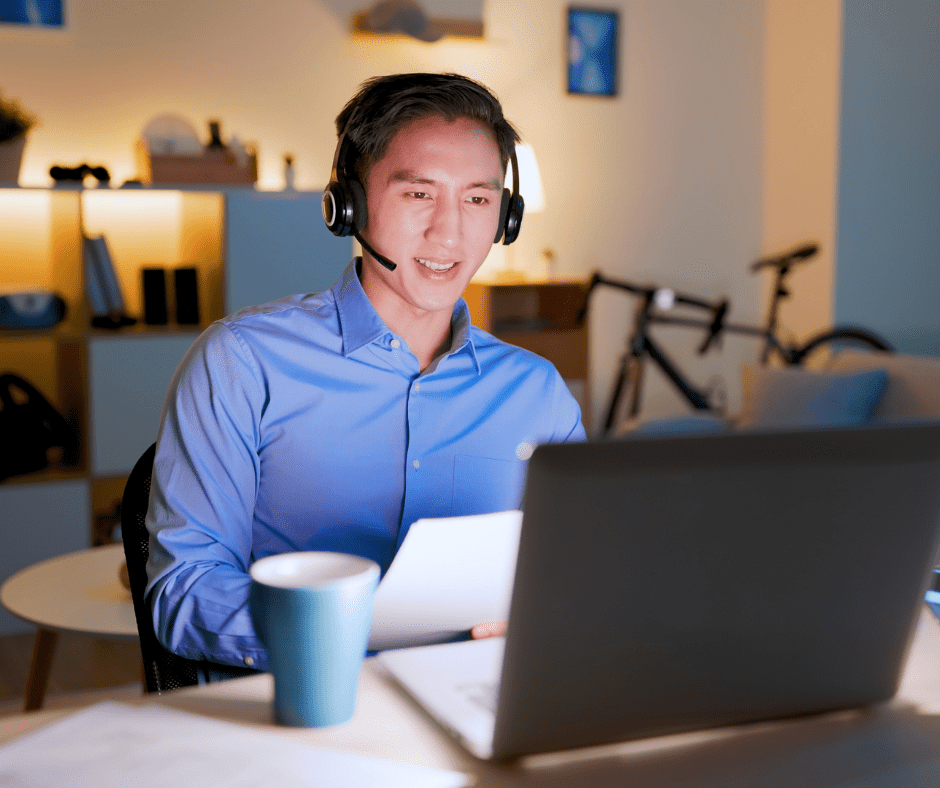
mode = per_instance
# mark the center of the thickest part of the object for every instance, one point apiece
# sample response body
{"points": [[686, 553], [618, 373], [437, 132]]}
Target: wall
{"points": [[889, 187], [802, 81], [664, 182]]}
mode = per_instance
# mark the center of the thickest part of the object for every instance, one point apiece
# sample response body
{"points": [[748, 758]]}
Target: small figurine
{"points": [[215, 135], [288, 172]]}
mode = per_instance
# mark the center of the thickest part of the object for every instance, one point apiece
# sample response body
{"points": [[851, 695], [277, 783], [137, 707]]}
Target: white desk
{"points": [[78, 592], [897, 744]]}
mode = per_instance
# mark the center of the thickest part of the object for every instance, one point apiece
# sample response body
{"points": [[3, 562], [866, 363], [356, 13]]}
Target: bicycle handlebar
{"points": [[665, 299], [662, 296]]}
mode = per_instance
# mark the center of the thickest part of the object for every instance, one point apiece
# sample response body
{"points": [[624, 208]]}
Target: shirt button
{"points": [[249, 661], [416, 464], [396, 344], [417, 387]]}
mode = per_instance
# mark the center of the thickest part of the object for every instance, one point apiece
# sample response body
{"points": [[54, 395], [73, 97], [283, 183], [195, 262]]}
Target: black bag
{"points": [[29, 427]]}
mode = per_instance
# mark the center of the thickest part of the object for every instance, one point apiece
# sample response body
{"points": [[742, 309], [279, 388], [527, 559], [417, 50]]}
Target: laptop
{"points": [[669, 584]]}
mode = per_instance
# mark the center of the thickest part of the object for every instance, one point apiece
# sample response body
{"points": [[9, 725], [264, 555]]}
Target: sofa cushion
{"points": [[913, 390], [692, 424], [797, 397]]}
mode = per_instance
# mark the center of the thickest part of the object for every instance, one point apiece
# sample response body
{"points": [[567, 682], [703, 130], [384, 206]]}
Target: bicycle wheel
{"points": [[823, 346]]}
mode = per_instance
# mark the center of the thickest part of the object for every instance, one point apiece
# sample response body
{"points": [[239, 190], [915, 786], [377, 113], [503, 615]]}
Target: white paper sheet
{"points": [[115, 745], [450, 573]]}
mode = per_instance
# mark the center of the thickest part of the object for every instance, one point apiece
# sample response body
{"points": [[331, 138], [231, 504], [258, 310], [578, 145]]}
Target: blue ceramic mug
{"points": [[933, 591], [313, 611]]}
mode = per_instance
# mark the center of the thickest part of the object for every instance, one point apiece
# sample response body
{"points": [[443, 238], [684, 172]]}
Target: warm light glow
{"points": [[530, 181], [163, 229], [25, 237], [144, 225]]}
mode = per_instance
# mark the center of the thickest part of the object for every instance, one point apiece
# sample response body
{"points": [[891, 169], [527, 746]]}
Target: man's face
{"points": [[433, 202]]}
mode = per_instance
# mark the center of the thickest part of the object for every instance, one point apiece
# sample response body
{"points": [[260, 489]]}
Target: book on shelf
{"points": [[102, 285], [105, 263], [94, 287]]}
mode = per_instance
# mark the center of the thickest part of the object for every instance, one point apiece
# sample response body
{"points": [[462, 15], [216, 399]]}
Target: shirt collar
{"points": [[460, 330], [358, 320], [361, 325]]}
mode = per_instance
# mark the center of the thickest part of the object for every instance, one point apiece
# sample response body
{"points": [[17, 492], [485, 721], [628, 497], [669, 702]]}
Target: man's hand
{"points": [[488, 629]]}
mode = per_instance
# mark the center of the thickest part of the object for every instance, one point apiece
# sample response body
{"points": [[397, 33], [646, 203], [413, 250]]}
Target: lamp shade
{"points": [[530, 182]]}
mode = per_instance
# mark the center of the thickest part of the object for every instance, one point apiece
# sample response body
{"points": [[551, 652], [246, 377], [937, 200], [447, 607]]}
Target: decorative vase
{"points": [[11, 157]]}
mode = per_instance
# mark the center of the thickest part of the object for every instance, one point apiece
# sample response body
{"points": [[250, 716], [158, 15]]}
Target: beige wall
{"points": [[802, 85], [665, 183]]}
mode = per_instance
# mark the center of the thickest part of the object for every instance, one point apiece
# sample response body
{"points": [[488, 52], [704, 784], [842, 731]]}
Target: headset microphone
{"points": [[381, 258]]}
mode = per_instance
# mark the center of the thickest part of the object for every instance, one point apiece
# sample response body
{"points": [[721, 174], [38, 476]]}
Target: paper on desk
{"points": [[117, 745], [449, 574]]}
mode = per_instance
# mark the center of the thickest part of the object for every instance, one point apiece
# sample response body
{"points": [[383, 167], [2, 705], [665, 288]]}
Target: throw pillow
{"points": [[797, 397]]}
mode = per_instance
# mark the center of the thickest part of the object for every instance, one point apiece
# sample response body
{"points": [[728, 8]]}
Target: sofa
{"points": [[852, 388]]}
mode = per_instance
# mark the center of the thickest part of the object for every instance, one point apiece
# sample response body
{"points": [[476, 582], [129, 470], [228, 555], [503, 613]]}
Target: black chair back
{"points": [[163, 670]]}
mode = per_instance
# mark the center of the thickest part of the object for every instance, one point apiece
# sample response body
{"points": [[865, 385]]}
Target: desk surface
{"points": [[895, 744], [77, 592]]}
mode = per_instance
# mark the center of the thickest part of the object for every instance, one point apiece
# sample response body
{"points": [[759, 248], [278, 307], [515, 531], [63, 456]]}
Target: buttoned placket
{"points": [[414, 483], [406, 363], [414, 405]]}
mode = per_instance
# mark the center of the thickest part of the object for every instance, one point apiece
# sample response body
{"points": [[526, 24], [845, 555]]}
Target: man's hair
{"points": [[384, 104]]}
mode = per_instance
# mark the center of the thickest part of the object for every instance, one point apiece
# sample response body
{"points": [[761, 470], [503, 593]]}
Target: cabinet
{"points": [[540, 316], [246, 246]]}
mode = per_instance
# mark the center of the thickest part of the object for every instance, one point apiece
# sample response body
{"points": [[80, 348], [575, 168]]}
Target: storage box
{"points": [[212, 166]]}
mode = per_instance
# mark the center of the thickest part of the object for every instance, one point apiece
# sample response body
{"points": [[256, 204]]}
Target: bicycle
{"points": [[655, 306]]}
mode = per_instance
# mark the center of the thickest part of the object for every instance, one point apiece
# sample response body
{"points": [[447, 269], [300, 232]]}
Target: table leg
{"points": [[39, 670]]}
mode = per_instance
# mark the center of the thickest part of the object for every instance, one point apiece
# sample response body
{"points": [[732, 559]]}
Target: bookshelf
{"points": [[247, 247]]}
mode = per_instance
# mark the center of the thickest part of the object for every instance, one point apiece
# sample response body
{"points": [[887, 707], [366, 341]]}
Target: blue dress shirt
{"points": [[306, 424]]}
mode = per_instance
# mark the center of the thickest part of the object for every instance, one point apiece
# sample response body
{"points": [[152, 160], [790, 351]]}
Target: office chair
{"points": [[163, 670]]}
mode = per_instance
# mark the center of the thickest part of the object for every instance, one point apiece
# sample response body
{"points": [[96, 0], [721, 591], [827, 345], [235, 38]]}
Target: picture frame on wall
{"points": [[33, 13], [593, 51]]}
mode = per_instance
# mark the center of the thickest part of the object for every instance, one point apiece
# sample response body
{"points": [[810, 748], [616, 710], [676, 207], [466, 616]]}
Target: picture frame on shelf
{"points": [[593, 51]]}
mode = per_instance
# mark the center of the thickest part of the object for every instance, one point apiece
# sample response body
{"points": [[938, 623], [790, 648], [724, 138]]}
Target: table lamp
{"points": [[530, 187]]}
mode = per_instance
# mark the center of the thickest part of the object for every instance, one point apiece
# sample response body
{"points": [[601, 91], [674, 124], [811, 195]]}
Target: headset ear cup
{"points": [[360, 211], [503, 213], [513, 222], [337, 209]]}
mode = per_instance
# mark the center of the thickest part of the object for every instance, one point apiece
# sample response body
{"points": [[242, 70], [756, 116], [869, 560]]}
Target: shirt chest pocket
{"points": [[483, 485]]}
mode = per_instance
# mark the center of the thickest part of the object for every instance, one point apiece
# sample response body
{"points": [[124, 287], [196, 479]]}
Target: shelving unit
{"points": [[540, 316], [247, 247]]}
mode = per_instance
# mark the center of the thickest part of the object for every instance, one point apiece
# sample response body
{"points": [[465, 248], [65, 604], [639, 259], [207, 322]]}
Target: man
{"points": [[333, 421]]}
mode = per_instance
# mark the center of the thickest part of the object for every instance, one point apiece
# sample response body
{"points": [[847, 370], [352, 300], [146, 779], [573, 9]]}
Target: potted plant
{"points": [[15, 122]]}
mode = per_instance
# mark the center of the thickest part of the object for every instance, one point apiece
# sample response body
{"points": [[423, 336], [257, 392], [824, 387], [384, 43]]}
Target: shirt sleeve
{"points": [[567, 413], [203, 492]]}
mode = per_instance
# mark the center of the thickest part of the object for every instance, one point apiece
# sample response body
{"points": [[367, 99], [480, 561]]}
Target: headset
{"points": [[345, 211]]}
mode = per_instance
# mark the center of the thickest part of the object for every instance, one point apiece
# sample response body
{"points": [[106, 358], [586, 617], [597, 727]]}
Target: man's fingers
{"points": [[488, 629]]}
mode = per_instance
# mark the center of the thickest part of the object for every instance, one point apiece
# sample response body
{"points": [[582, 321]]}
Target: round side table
{"points": [[77, 592]]}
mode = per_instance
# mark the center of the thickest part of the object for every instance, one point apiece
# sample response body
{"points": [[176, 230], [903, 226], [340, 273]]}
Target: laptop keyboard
{"points": [[482, 693]]}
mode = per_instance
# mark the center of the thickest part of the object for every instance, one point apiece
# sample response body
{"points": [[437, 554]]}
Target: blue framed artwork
{"points": [[33, 13], [592, 51]]}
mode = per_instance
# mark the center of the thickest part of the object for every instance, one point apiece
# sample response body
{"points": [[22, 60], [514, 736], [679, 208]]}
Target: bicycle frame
{"points": [[642, 346], [768, 334], [696, 397]]}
